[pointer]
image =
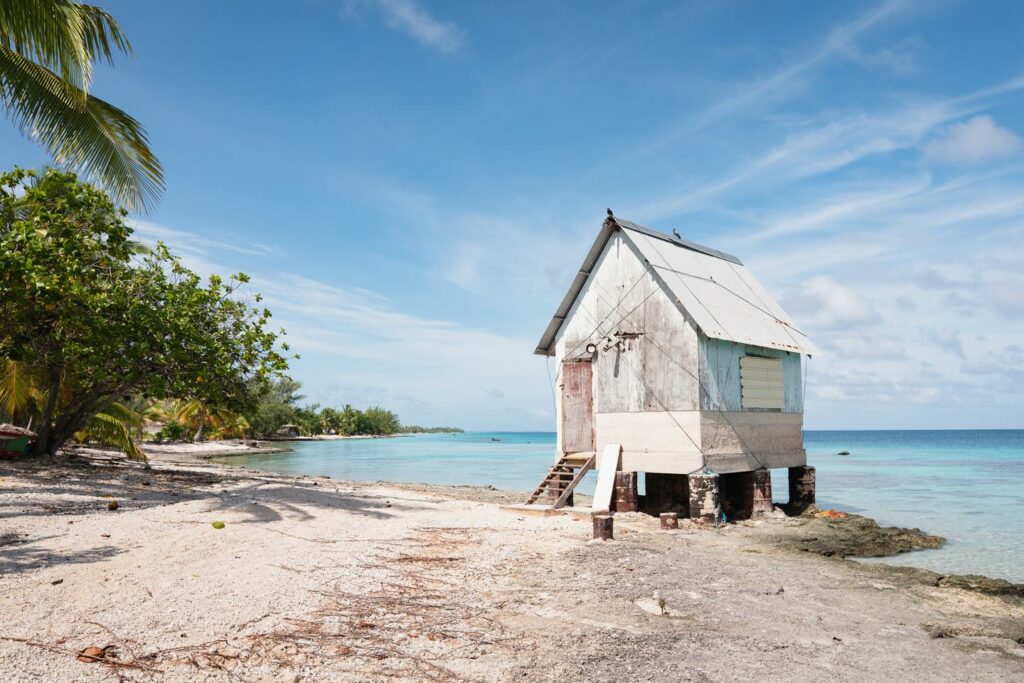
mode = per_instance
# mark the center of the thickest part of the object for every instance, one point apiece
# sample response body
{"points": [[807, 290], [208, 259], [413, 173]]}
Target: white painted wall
{"points": [[647, 396]]}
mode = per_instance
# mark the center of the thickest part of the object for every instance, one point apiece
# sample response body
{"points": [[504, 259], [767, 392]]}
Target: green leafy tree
{"points": [[98, 318], [309, 421], [47, 52], [380, 421], [276, 406]]}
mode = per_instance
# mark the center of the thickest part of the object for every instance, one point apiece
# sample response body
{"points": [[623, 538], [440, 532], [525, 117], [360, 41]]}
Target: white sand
{"points": [[317, 580]]}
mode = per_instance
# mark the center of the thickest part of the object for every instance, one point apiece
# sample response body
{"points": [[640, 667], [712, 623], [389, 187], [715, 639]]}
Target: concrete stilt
{"points": [[704, 506], [603, 527], [801, 488], [736, 495], [669, 520], [667, 493], [762, 493], [624, 498]]}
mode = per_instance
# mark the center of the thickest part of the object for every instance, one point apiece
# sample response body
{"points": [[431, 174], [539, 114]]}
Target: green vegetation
{"points": [[101, 334], [416, 429], [48, 49], [280, 405], [91, 317]]}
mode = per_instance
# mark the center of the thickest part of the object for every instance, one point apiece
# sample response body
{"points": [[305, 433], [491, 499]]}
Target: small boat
{"points": [[14, 440], [493, 439]]}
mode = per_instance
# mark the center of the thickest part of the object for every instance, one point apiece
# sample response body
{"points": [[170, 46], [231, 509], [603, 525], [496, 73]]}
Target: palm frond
{"points": [[63, 36], [125, 414], [110, 430], [97, 140], [19, 388]]}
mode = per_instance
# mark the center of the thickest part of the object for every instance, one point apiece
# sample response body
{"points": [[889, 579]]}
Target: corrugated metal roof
{"points": [[714, 288]]}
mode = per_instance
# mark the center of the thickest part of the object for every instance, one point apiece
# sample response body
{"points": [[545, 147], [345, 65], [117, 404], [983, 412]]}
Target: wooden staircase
{"points": [[563, 477]]}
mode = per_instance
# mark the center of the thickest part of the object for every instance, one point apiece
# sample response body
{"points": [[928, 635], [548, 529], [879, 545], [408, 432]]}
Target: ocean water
{"points": [[965, 485]]}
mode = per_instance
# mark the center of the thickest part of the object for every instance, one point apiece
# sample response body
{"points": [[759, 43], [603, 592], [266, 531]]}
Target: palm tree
{"points": [[220, 423], [113, 427], [19, 392], [21, 400], [47, 52]]}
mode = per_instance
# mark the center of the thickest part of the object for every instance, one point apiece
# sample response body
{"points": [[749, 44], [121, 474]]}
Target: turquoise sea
{"points": [[966, 485]]}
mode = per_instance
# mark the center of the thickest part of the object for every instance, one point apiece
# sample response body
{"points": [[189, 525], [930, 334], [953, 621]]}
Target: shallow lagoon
{"points": [[966, 485]]}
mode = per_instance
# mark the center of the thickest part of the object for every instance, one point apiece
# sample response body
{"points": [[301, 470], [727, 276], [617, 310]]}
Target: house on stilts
{"points": [[674, 363]]}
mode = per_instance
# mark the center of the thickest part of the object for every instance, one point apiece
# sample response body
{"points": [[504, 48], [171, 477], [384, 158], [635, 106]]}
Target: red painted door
{"points": [[577, 407]]}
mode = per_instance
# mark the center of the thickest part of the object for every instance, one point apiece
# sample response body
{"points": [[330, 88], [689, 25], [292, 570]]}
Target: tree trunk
{"points": [[42, 440]]}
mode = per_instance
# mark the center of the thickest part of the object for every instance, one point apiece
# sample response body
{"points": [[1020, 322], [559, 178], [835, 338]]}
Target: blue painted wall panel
{"points": [[720, 374]]}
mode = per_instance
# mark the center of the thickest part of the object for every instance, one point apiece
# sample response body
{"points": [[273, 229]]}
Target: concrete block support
{"points": [[624, 497], [801, 488], [762, 504], [603, 527], [704, 506], [667, 493]]}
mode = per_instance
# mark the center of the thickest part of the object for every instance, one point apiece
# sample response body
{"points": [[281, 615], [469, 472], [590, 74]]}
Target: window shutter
{"points": [[761, 383]]}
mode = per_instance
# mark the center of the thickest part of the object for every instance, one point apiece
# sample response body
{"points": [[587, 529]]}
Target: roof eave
{"points": [[546, 347]]}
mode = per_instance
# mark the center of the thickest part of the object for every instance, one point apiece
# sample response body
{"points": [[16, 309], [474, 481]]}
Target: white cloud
{"points": [[972, 142], [410, 18], [823, 302], [357, 347]]}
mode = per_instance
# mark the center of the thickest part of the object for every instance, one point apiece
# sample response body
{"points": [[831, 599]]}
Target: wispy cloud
{"points": [[972, 142], [201, 244], [359, 347], [840, 41], [827, 144], [412, 19]]}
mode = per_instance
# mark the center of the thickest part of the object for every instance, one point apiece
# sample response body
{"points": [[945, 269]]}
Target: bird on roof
{"points": [[676, 233], [610, 214]]}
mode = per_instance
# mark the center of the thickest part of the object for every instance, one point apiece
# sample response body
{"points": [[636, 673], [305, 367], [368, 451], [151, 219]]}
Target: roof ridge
{"points": [[677, 241]]}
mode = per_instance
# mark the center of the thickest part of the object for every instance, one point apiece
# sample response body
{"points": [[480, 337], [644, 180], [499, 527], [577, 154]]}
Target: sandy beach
{"points": [[312, 579]]}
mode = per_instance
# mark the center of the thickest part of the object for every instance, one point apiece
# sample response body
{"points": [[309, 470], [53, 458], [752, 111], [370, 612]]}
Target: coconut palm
{"points": [[21, 400], [47, 52], [19, 392], [113, 427], [216, 423]]}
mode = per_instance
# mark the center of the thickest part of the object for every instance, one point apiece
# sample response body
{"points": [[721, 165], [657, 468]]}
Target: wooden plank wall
{"points": [[577, 406]]}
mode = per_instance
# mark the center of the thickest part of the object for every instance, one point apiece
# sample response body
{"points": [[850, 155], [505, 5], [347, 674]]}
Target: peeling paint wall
{"points": [[720, 374], [653, 373], [647, 390], [636, 384]]}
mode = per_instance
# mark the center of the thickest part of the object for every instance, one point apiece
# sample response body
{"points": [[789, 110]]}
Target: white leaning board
{"points": [[607, 465]]}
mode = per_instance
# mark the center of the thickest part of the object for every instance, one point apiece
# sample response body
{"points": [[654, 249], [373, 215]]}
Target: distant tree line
{"points": [[416, 429], [281, 405]]}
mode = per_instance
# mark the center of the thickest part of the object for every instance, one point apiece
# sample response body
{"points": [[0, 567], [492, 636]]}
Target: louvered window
{"points": [[761, 383]]}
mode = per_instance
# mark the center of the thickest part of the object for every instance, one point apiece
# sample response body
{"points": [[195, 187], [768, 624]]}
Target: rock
{"points": [[226, 650], [651, 606], [836, 534], [112, 505], [982, 584]]}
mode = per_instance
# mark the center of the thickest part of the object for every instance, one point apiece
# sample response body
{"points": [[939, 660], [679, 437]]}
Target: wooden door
{"points": [[577, 407]]}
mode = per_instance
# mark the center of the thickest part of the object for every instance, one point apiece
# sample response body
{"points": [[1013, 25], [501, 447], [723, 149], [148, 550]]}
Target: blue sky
{"points": [[412, 183]]}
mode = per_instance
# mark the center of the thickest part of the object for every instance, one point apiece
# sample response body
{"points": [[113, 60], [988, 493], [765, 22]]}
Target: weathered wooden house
{"points": [[672, 355]]}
